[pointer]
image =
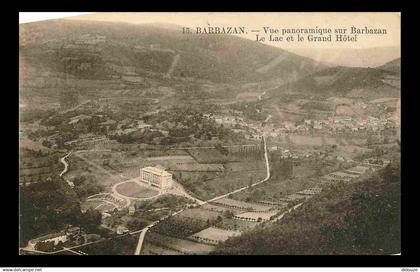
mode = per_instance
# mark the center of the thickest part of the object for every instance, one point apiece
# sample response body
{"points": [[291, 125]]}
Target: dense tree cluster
{"points": [[281, 168], [146, 136], [183, 124], [49, 207], [123, 245], [48, 246], [38, 166], [180, 227], [251, 110], [86, 186]]}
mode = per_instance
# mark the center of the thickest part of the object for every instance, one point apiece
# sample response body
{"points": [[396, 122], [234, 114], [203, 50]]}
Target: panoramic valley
{"points": [[137, 140]]}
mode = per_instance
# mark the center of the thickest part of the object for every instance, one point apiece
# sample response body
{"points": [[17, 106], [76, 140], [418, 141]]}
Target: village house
{"points": [[122, 230], [71, 233]]}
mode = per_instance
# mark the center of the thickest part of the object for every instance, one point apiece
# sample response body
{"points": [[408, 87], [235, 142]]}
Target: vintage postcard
{"points": [[210, 134]]}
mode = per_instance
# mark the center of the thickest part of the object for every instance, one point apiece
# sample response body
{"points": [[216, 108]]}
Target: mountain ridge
{"points": [[220, 58]]}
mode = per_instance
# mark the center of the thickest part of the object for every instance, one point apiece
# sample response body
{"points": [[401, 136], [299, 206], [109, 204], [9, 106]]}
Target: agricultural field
{"points": [[256, 216], [150, 248], [273, 190], [214, 235], [241, 205], [220, 209], [180, 227], [196, 167], [305, 140], [211, 155], [303, 170], [178, 158], [245, 166], [199, 213], [36, 166], [182, 246], [308, 141], [169, 161], [206, 186], [235, 224]]}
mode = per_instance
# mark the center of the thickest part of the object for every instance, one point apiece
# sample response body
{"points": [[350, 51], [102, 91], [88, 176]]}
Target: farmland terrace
{"points": [[218, 221]]}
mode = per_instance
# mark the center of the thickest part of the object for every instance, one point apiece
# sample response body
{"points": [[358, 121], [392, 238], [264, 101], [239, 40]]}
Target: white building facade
{"points": [[156, 177]]}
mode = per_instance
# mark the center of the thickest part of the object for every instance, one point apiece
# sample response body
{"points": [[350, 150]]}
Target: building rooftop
{"points": [[156, 171]]}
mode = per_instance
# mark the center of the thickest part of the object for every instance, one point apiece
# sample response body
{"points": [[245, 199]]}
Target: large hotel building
{"points": [[156, 177]]}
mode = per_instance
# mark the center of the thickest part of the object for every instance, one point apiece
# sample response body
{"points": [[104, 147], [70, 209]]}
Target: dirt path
{"points": [[173, 64]]}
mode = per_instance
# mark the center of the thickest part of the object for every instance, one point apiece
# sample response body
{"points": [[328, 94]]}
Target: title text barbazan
{"points": [[220, 30]]}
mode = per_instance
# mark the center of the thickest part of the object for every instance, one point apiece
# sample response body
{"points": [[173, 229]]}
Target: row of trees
{"points": [[281, 168], [181, 227]]}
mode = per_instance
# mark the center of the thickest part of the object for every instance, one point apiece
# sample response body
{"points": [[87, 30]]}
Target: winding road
{"points": [[66, 165], [66, 168]]}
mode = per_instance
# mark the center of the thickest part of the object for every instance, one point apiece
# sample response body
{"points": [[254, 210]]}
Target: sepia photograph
{"points": [[210, 133]]}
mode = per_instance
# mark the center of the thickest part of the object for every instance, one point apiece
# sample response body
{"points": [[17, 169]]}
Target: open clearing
{"points": [[214, 235], [133, 189], [199, 213], [305, 140]]}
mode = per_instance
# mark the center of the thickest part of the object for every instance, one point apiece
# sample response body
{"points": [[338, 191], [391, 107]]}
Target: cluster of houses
{"points": [[304, 154], [251, 131], [334, 125], [127, 126]]}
